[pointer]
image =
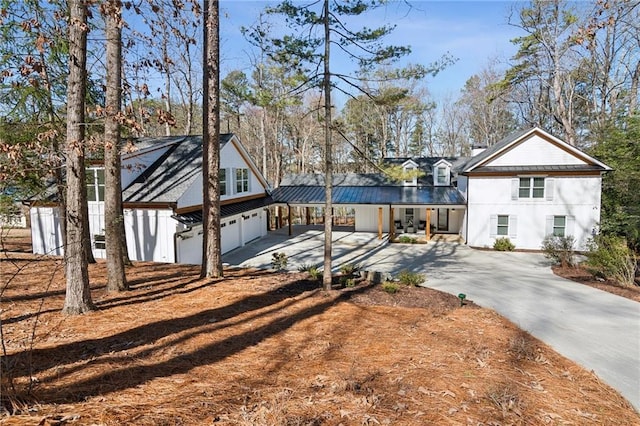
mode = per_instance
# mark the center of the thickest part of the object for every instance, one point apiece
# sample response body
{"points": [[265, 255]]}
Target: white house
{"points": [[162, 200], [529, 185]]}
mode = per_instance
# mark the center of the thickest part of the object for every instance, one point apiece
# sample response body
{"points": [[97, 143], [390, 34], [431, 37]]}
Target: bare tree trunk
{"points": [[328, 164], [114, 225], [212, 253], [633, 92], [77, 296]]}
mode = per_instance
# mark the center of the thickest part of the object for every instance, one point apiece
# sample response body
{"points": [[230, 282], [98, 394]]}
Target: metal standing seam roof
{"points": [[195, 218], [540, 168], [425, 195]]}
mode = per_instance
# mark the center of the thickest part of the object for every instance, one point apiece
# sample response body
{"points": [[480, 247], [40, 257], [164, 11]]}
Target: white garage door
{"points": [[230, 234], [252, 226]]}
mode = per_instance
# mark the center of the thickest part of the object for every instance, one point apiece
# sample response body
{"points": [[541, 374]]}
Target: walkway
{"points": [[598, 330]]}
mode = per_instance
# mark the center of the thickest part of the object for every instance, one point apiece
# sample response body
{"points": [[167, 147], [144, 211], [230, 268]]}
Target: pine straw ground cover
{"points": [[263, 348]]}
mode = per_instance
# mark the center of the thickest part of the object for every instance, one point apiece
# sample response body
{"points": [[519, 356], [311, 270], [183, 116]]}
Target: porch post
{"points": [[379, 223], [307, 214], [427, 230], [280, 217], [290, 221], [392, 228]]}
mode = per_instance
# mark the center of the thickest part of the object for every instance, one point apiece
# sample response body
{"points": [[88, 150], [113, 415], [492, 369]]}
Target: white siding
{"points": [[578, 197], [367, 218], [150, 234], [46, 233], [230, 159], [535, 151], [96, 226]]}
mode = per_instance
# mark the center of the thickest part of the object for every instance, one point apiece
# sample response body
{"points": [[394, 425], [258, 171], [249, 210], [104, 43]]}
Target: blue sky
{"points": [[472, 31]]}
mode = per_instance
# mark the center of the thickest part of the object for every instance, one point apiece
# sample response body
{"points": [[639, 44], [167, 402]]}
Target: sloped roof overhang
{"points": [[370, 195], [227, 210]]}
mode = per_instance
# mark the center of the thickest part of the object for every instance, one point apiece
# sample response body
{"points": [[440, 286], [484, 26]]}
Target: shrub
{"points": [[305, 267], [407, 239], [314, 273], [610, 256], [279, 261], [349, 268], [347, 282], [410, 278], [559, 249], [390, 287], [503, 244]]}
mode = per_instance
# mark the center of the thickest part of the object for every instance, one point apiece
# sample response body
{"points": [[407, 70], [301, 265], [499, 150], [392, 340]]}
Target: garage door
{"points": [[252, 226], [230, 234]]}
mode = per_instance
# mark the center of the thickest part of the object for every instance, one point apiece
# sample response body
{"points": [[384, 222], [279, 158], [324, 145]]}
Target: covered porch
{"points": [[420, 222]]}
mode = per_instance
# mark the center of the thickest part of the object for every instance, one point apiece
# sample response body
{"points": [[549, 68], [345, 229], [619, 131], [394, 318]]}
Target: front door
{"points": [[408, 220], [443, 219]]}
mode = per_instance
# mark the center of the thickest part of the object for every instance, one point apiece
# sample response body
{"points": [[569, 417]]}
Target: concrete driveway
{"points": [[598, 330]]}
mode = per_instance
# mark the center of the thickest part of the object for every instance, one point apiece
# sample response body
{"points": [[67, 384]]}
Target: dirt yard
{"points": [[264, 348]]}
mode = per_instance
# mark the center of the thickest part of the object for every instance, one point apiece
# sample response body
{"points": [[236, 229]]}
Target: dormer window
{"points": [[442, 173], [411, 177]]}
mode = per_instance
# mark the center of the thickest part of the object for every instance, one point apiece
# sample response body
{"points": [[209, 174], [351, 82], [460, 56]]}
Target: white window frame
{"points": [[95, 180], [223, 181], [527, 187], [511, 226], [99, 242], [559, 230], [242, 178], [502, 224]]}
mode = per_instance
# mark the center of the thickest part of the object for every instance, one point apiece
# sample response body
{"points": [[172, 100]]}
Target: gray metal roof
{"points": [[421, 195], [540, 168], [195, 218], [172, 174], [339, 179]]}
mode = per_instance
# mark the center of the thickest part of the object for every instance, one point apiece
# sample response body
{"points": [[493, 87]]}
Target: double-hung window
{"points": [[502, 225], [531, 187], [242, 180], [95, 184], [560, 226], [223, 181], [441, 175]]}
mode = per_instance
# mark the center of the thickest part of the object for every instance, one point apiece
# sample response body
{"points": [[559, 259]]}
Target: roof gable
{"points": [[175, 171], [532, 148]]}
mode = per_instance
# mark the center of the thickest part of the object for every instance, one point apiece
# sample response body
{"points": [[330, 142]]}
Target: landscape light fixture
{"points": [[462, 296]]}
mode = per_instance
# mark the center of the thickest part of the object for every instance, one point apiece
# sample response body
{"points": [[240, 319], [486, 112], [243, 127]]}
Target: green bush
{"points": [[407, 239], [305, 267], [611, 257], [559, 249], [503, 244], [347, 282], [390, 287], [410, 278], [314, 273], [279, 261], [349, 268]]}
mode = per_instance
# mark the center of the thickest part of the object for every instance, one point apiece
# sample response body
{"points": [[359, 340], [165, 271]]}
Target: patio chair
{"points": [[398, 225], [422, 225]]}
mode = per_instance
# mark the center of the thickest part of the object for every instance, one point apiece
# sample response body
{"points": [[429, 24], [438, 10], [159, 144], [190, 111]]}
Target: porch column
{"points": [[392, 228], [307, 213], [379, 223], [427, 230], [290, 220], [280, 221]]}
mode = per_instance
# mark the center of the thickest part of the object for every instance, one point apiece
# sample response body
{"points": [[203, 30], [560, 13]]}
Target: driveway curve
{"points": [[596, 329]]}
